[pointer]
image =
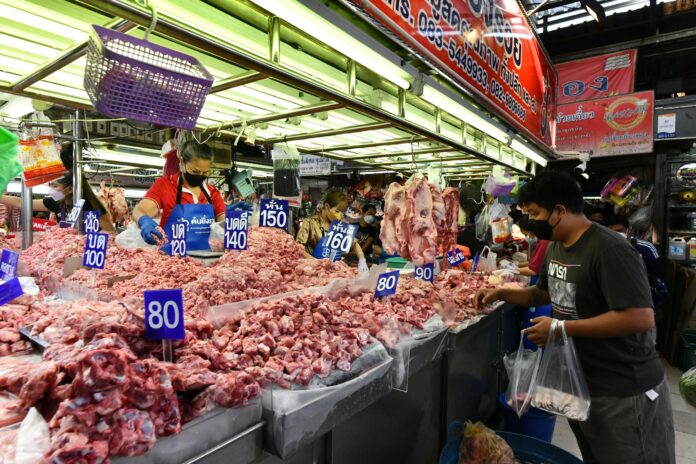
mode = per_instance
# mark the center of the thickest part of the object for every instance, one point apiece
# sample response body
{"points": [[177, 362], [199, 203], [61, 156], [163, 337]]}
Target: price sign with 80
{"points": [[164, 314], [386, 284]]}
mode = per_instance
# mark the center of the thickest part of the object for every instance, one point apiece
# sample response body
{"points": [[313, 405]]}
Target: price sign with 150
{"points": [[339, 239], [236, 230], [425, 272], [386, 284], [8, 265], [178, 234], [95, 250], [274, 213], [91, 222], [164, 314]]}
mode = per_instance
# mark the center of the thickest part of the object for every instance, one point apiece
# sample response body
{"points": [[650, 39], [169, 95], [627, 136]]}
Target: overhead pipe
{"points": [[355, 146], [424, 151], [78, 166], [332, 132], [302, 111], [239, 80]]}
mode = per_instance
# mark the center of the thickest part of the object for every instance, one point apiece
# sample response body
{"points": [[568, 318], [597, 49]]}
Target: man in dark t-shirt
{"points": [[597, 285]]}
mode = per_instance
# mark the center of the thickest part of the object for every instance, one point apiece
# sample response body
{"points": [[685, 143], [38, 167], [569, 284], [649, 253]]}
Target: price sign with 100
{"points": [[91, 222], [274, 213], [386, 284], [178, 233], [95, 250], [236, 230], [425, 272], [339, 239], [8, 265]]}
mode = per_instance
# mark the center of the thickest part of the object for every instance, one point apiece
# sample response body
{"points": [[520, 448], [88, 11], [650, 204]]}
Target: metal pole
{"points": [[78, 166], [27, 215]]}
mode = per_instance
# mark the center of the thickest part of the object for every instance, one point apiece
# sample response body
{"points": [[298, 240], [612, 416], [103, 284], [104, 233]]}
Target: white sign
{"points": [[311, 165], [666, 125]]}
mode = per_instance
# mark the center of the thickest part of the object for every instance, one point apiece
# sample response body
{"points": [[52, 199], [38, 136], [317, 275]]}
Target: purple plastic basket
{"points": [[132, 78]]}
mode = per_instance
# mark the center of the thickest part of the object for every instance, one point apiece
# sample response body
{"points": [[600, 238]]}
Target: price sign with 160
{"points": [[95, 250], [274, 213], [386, 284], [340, 238], [178, 232], [236, 230], [425, 272], [164, 314], [91, 222], [8, 264]]}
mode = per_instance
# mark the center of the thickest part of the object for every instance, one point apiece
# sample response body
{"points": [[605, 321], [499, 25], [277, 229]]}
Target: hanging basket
{"points": [[133, 78]]}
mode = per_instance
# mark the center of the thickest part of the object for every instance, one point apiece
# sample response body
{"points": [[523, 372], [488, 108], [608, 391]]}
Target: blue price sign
{"points": [[8, 264], [95, 250], [274, 213], [10, 290], [456, 257], [426, 272], [339, 239], [164, 314], [236, 230], [74, 214], [178, 233], [386, 284], [91, 224]]}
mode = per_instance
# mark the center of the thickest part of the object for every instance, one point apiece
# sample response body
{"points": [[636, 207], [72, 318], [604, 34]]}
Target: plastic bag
{"points": [[561, 387], [33, 439], [640, 220], [39, 155], [9, 164], [130, 238], [522, 367], [481, 445], [487, 261], [499, 183], [482, 224], [687, 386], [286, 173], [500, 229]]}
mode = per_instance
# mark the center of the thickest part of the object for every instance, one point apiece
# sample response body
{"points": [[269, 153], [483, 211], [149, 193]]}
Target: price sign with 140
{"points": [[339, 239], [8, 265], [274, 213], [95, 250], [236, 230], [425, 272], [456, 257], [386, 284], [164, 314], [177, 238], [91, 222]]}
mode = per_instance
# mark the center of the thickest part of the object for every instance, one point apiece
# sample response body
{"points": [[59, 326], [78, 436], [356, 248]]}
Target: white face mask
{"points": [[57, 195], [369, 219], [623, 234]]}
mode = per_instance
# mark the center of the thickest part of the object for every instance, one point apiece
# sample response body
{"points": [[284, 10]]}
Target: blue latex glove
{"points": [[241, 206], [148, 229]]}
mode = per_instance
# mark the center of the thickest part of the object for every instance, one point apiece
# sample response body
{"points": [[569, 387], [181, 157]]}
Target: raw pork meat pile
{"points": [[419, 221], [44, 260], [115, 200], [12, 317]]}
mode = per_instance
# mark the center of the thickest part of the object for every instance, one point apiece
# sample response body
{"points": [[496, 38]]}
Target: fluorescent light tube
{"points": [[528, 152]]}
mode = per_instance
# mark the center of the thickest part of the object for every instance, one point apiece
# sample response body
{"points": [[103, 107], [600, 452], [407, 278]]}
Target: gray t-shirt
{"points": [[598, 273]]}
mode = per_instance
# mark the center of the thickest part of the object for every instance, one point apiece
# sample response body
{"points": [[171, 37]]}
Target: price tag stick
{"points": [[93, 277], [167, 351]]}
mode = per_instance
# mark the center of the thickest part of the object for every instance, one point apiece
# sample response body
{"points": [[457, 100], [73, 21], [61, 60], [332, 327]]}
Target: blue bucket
{"points": [[534, 423]]}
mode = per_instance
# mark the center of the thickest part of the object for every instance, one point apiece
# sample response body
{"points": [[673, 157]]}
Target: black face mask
{"points": [[541, 228], [194, 180]]}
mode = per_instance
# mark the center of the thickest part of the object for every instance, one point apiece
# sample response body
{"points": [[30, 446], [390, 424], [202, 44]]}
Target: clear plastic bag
{"points": [[33, 439], [522, 367], [483, 224], [561, 387], [487, 261], [131, 238]]}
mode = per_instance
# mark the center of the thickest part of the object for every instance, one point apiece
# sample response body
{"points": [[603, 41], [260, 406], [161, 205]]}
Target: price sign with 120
{"points": [[8, 265], [95, 250], [164, 314], [274, 213], [91, 222], [425, 272], [339, 239], [386, 284], [177, 238], [456, 257], [236, 230]]}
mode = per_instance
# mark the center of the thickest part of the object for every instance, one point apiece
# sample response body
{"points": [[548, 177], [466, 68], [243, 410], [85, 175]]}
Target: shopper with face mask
{"points": [[312, 233], [183, 198], [599, 290], [367, 231]]}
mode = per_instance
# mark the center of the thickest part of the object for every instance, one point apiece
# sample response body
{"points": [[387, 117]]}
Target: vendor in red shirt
{"points": [[183, 198], [536, 259]]}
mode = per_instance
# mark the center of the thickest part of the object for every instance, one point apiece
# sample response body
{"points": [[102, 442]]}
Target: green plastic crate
{"points": [[687, 353]]}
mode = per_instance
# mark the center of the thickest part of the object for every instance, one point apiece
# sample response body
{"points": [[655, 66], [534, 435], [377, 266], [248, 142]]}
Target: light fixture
{"points": [[251, 136], [130, 158], [306, 20], [386, 171], [528, 152], [594, 9], [585, 175], [16, 108]]}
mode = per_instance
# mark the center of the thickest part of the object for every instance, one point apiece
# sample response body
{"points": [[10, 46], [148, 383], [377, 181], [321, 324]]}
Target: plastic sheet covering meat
{"points": [[297, 417], [26, 443], [200, 435]]}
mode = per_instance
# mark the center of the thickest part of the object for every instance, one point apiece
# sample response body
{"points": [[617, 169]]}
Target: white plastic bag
{"points": [[483, 224], [561, 387], [487, 261], [130, 238], [33, 439], [522, 367]]}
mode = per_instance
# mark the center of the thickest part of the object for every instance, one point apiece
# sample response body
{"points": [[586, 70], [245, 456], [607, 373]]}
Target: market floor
{"points": [[684, 423]]}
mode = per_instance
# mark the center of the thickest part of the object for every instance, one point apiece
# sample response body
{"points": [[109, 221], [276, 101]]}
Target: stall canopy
{"points": [[292, 71]]}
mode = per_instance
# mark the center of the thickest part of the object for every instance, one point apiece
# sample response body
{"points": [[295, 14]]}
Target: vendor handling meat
{"points": [[312, 233], [183, 198]]}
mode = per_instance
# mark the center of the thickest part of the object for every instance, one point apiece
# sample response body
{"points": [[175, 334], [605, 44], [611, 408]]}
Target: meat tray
{"points": [[212, 432], [296, 418]]}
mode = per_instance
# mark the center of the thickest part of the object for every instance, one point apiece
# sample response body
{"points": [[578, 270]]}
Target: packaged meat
{"points": [[481, 445]]}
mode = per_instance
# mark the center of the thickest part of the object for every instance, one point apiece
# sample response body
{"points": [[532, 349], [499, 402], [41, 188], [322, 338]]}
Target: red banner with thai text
{"points": [[486, 46], [620, 125], [41, 225], [596, 77]]}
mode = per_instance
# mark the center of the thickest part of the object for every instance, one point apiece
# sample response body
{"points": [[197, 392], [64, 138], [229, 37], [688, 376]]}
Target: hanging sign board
{"points": [[620, 125], [487, 46], [596, 77], [666, 125], [311, 165]]}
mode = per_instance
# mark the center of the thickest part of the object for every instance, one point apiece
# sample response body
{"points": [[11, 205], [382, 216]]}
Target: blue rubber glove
{"points": [[241, 206], [148, 229]]}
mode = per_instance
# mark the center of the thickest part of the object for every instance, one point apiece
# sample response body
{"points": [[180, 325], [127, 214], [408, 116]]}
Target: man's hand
{"points": [[485, 296], [539, 332]]}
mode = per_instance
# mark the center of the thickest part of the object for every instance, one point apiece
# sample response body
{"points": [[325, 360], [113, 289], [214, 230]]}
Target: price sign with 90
{"points": [[386, 284], [236, 230], [95, 250], [164, 314], [91, 221], [425, 272], [274, 213], [339, 239]]}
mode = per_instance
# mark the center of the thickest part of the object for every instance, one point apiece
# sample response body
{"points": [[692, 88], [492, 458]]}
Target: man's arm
{"points": [[530, 296]]}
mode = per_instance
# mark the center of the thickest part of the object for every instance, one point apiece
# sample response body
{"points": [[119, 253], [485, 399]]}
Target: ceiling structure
{"points": [[338, 92]]}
